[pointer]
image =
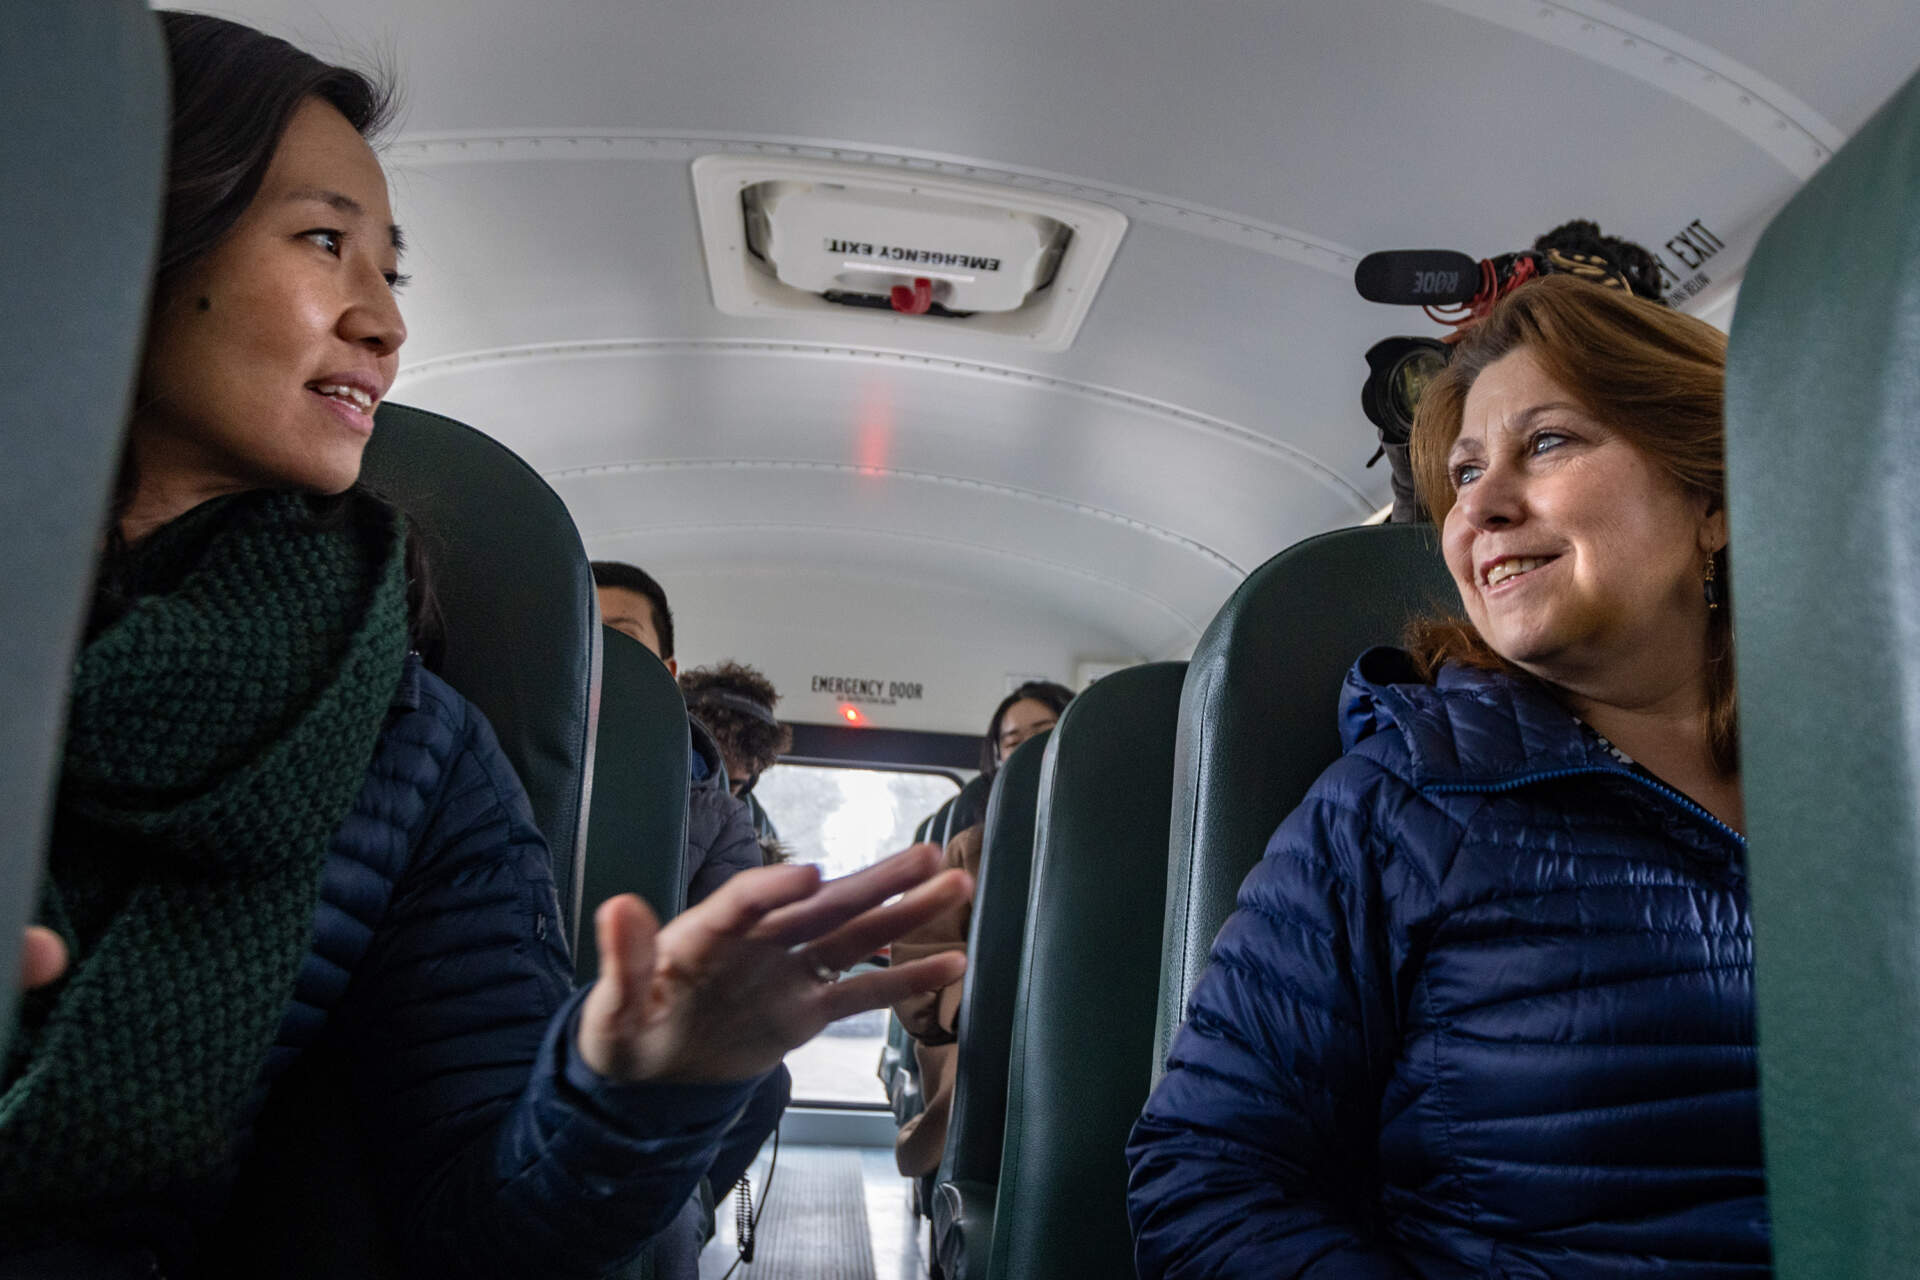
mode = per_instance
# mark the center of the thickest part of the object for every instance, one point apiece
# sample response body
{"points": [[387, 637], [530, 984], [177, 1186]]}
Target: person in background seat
{"points": [[1032, 708], [722, 840], [930, 1019], [736, 704], [1486, 1007], [275, 826]]}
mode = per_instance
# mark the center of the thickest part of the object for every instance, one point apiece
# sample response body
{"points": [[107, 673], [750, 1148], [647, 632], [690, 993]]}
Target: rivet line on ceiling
{"points": [[1158, 532], [964, 544], [437, 366], [1790, 131], [1266, 238]]}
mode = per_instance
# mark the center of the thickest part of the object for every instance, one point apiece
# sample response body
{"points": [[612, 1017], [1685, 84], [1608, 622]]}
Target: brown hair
{"points": [[736, 704], [1652, 374]]}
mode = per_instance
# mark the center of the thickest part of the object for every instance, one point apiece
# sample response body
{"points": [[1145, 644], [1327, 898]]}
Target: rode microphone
{"points": [[1419, 277]]}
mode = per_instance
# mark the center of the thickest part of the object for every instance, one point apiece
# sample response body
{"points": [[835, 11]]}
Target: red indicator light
{"points": [[852, 715]]}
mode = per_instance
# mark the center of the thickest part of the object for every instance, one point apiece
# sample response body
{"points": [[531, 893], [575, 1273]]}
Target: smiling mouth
{"points": [[351, 396], [1507, 570]]}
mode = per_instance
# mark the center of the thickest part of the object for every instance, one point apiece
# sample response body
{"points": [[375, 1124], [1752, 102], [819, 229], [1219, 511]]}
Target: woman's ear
{"points": [[1713, 529]]}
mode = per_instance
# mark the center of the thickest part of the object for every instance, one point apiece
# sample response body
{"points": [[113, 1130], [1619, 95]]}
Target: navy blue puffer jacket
{"points": [[1485, 1009], [438, 972], [721, 838]]}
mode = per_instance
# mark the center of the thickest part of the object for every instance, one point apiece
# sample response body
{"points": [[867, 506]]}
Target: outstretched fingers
{"points": [[742, 905], [883, 987], [867, 932], [839, 901]]}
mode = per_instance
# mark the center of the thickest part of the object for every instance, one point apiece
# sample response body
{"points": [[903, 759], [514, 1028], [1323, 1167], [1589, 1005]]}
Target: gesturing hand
{"points": [[726, 989]]}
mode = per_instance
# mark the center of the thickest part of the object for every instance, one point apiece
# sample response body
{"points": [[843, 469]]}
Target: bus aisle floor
{"points": [[826, 1203]]}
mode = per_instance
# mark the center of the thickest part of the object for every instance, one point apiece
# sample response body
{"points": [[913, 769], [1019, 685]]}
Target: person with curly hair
{"points": [[735, 702]]}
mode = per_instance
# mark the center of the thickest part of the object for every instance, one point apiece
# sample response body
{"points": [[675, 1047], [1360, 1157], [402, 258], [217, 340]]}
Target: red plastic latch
{"points": [[913, 301]]}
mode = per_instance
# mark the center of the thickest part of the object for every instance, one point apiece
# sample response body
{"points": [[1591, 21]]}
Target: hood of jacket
{"points": [[704, 762]]}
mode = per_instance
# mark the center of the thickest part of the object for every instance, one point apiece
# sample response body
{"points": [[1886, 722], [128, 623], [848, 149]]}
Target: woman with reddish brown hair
{"points": [[1486, 1007]]}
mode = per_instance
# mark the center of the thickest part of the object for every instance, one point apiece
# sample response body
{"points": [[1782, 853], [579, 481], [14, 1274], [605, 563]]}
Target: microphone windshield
{"points": [[1415, 277]]}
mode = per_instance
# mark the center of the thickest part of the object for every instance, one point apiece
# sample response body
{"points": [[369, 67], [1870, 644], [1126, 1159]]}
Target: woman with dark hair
{"points": [[1033, 707], [1486, 1008], [275, 828]]}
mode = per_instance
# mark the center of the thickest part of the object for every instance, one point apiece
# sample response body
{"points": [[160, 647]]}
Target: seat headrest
{"points": [[1258, 716], [522, 620]]}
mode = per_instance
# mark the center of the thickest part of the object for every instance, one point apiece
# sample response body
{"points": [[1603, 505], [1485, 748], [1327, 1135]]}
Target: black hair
{"points": [[627, 577], [234, 92], [1635, 264], [1046, 692]]}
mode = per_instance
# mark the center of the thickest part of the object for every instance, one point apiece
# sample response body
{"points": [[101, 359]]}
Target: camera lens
{"points": [[1398, 373], [1409, 378]]}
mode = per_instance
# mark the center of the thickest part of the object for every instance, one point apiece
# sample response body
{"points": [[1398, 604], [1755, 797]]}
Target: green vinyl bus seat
{"points": [[892, 1053], [522, 644], [84, 148], [962, 1196], [1090, 969], [762, 820], [900, 1070], [523, 633], [637, 826], [972, 802], [1823, 454], [897, 1052], [1258, 717], [937, 826]]}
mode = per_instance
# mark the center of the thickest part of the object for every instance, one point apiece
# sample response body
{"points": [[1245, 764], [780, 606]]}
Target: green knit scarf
{"points": [[219, 731]]}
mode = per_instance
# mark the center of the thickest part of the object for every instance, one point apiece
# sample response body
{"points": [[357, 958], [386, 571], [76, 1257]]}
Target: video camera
{"points": [[1457, 290]]}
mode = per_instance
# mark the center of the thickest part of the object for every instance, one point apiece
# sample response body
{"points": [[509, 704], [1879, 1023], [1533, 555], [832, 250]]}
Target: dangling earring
{"points": [[1711, 588]]}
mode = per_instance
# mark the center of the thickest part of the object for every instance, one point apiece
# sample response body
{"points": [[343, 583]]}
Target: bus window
{"points": [[845, 819]]}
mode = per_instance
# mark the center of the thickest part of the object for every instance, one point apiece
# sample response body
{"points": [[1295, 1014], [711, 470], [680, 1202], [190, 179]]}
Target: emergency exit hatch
{"points": [[795, 236]]}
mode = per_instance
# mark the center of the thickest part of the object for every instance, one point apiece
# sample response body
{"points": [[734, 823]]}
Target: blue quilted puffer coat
{"points": [[721, 838], [439, 969], [1485, 1009]]}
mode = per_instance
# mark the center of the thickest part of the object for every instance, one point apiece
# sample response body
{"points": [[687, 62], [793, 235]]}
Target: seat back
{"points": [[1090, 969], [968, 807], [1258, 717], [978, 1119], [637, 829], [87, 120], [1823, 454], [762, 820], [963, 1196], [523, 633], [937, 824]]}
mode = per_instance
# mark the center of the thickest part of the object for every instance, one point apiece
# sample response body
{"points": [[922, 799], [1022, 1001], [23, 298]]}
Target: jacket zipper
{"points": [[1548, 775]]}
